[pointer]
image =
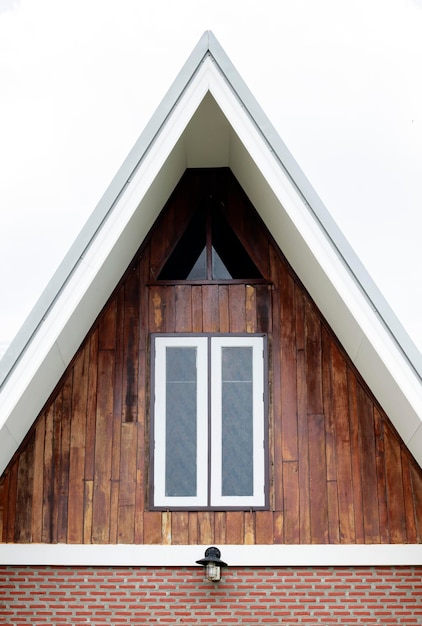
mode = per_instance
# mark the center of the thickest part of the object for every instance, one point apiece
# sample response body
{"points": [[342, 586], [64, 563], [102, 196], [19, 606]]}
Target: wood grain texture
{"points": [[337, 470]]}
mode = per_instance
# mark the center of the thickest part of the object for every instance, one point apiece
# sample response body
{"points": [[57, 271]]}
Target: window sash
{"points": [[216, 411]]}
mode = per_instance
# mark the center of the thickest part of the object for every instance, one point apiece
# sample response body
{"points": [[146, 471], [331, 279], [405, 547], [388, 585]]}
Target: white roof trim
{"points": [[314, 555], [300, 224]]}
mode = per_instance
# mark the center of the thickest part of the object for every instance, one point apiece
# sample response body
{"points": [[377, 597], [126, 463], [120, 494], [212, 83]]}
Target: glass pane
{"points": [[180, 421], [237, 422], [219, 270], [199, 270]]}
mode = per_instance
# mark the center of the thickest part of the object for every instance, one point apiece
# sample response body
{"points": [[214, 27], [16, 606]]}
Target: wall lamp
{"points": [[212, 564]]}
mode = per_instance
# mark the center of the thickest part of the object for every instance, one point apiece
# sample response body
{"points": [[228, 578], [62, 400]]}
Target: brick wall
{"points": [[97, 596]]}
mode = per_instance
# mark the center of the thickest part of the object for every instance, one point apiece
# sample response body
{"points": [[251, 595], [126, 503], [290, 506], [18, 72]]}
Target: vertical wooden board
{"points": [[381, 478], [394, 483], [12, 480], [291, 509], [180, 527], [237, 308], [303, 451], [91, 407], [318, 500], [183, 308], [48, 484], [166, 527], [250, 296], [263, 314], [333, 512], [264, 527], [197, 309], [170, 309], [152, 527], [119, 385], [103, 448], [107, 326], [157, 309], [37, 502], [313, 360], [235, 524], [223, 308], [63, 483], [130, 362], [409, 503], [220, 527], [343, 456], [278, 523], [366, 429], [25, 479], [274, 391], [3, 511], [88, 508], [327, 390], [416, 478], [210, 309], [127, 483], [77, 447], [249, 528], [355, 457], [289, 435], [193, 527], [205, 527]]}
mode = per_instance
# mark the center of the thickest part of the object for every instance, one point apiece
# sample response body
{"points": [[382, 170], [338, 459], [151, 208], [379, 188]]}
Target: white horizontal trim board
{"points": [[235, 555]]}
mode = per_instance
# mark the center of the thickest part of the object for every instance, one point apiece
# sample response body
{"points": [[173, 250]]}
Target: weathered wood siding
{"points": [[339, 473]]}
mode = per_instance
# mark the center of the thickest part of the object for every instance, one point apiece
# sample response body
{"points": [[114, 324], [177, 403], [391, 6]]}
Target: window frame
{"points": [[209, 415]]}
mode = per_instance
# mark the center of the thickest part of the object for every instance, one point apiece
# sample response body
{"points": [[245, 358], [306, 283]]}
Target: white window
{"points": [[208, 421]]}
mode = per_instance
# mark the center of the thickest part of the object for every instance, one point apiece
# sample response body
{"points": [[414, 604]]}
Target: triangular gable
{"points": [[209, 118]]}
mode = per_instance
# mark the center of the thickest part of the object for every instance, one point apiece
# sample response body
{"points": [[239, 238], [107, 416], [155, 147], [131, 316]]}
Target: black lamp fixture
{"points": [[212, 564]]}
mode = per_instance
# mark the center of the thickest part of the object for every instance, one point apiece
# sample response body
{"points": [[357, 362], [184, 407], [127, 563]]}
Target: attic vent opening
{"points": [[209, 250]]}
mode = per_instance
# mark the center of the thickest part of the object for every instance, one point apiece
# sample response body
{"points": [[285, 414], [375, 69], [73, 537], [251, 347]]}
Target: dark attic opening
{"points": [[209, 249]]}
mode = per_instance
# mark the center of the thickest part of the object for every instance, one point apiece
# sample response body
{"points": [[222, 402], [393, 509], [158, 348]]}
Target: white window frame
{"points": [[209, 421]]}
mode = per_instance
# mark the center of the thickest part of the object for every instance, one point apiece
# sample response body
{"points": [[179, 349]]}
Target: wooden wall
{"points": [[339, 473]]}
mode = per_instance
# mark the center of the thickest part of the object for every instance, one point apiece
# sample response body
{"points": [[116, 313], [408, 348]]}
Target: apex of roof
{"points": [[209, 94]]}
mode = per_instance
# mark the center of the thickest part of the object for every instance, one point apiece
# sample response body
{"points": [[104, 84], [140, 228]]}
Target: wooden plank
{"points": [[250, 315], [193, 527], [220, 527], [77, 447], [235, 524], [180, 527], [103, 448], [237, 308], [127, 483], [303, 451], [264, 527], [275, 392], [381, 477], [313, 361], [318, 494], [130, 351], [117, 412], [223, 308], [152, 527], [343, 457], [394, 484], [416, 478], [183, 308], [107, 327], [210, 321], [289, 435], [25, 479], [197, 309], [366, 429], [355, 453], [264, 323], [88, 510], [249, 528], [64, 451], [91, 407], [205, 527], [37, 487], [409, 503], [278, 527], [48, 486], [291, 508]]}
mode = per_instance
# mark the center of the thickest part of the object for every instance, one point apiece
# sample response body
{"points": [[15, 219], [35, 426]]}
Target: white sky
{"points": [[341, 81]]}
